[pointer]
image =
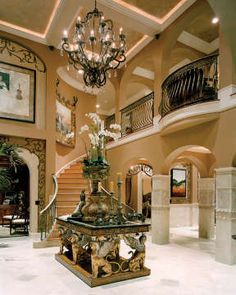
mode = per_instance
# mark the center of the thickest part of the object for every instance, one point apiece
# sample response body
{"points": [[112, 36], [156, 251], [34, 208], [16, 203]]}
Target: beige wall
{"points": [[218, 136], [86, 103], [44, 128]]}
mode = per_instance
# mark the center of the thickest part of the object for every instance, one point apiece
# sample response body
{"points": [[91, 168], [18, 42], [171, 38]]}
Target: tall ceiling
{"points": [[44, 21]]}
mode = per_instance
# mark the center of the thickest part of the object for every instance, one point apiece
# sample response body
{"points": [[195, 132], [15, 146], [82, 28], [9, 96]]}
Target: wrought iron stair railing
{"points": [[194, 83], [49, 213], [138, 115]]}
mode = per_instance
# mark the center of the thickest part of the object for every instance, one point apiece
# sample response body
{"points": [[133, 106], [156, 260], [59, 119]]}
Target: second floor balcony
{"points": [[194, 83]]}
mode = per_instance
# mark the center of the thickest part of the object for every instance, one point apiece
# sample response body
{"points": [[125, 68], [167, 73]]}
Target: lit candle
{"points": [[79, 19], [92, 33], [102, 18], [121, 31], [111, 186], [65, 34], [113, 45]]}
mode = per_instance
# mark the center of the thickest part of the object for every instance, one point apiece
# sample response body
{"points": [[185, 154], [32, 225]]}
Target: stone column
{"points": [[207, 208], [226, 215], [160, 209]]}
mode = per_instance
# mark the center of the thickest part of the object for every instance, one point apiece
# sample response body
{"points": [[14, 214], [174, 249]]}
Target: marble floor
{"points": [[185, 266]]}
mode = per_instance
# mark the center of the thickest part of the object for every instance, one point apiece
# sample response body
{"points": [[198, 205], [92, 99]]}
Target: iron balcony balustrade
{"points": [[194, 83], [138, 115]]}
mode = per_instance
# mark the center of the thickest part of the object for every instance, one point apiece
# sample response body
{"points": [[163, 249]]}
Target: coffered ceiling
{"points": [[44, 21], [157, 8]]}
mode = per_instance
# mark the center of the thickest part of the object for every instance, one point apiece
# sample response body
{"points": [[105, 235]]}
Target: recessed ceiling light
{"points": [[97, 106], [215, 20]]}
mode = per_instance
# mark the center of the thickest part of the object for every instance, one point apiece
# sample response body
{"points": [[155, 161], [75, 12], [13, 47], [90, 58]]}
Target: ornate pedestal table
{"points": [[92, 252]]}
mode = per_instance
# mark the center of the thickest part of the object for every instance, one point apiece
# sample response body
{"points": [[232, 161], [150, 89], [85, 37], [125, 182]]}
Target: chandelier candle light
{"points": [[95, 50]]}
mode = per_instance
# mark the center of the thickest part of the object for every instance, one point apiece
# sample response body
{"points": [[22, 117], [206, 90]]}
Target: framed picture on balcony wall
{"points": [[65, 124], [17, 93], [178, 183], [65, 119]]}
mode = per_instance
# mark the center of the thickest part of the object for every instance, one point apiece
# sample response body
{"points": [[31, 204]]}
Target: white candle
{"points": [[65, 33]]}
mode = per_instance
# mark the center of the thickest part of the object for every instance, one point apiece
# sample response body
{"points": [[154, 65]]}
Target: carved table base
{"points": [[92, 252]]}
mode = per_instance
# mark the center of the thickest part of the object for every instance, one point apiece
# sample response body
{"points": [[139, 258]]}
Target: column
{"points": [[160, 209], [207, 208], [225, 215]]}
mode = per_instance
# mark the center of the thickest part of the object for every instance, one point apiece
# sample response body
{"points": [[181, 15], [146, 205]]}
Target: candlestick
{"points": [[119, 176], [111, 186], [99, 187]]}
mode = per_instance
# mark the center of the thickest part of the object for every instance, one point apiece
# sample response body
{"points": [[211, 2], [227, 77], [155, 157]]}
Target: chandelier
{"points": [[95, 50]]}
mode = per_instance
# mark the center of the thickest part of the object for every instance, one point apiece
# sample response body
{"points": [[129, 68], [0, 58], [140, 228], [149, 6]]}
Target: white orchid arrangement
{"points": [[97, 135]]}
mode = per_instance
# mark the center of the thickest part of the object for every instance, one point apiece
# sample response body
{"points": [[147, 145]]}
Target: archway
{"points": [[187, 197], [32, 162], [138, 187]]}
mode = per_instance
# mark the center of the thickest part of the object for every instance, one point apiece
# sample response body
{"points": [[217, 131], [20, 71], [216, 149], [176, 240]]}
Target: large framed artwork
{"points": [[178, 183], [65, 123], [17, 93]]}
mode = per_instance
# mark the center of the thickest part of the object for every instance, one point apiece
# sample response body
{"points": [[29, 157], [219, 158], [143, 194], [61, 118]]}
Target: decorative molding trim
{"points": [[38, 148], [197, 43], [225, 171], [22, 53]]}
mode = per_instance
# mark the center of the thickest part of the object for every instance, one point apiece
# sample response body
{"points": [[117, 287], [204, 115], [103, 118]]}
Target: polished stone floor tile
{"points": [[185, 266]]}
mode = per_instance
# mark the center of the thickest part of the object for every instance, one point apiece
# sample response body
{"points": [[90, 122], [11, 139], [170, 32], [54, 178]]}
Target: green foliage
{"points": [[5, 179], [8, 175]]}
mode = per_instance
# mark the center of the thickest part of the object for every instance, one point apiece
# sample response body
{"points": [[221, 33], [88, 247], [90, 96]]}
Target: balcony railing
{"points": [[193, 83], [138, 115]]}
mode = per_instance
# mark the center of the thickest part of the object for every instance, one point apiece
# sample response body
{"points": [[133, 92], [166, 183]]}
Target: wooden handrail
{"points": [[53, 197]]}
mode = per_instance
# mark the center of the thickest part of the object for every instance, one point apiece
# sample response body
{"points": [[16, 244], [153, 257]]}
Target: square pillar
{"points": [[160, 209], [225, 215], [207, 208]]}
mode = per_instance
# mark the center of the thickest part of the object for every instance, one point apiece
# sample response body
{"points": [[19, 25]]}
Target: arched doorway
{"points": [[139, 187], [202, 160], [14, 198]]}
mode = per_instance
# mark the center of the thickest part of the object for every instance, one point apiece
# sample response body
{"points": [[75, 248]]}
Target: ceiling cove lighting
{"points": [[95, 50]]}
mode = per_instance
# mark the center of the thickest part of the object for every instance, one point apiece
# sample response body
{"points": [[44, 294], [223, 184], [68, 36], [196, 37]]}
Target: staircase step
{"points": [[72, 180], [71, 175], [69, 190], [73, 170], [65, 210], [68, 203], [73, 185]]}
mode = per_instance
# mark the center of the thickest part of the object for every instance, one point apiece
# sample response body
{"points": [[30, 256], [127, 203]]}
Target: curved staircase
{"points": [[70, 184]]}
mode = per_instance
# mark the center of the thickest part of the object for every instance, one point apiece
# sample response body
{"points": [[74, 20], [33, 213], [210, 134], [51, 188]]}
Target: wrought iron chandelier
{"points": [[95, 50]]}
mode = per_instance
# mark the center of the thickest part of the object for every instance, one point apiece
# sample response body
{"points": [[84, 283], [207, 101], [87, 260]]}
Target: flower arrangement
{"points": [[95, 159]]}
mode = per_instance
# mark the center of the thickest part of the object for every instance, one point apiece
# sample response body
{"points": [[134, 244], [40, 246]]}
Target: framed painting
{"points": [[178, 183], [17, 93], [65, 124]]}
